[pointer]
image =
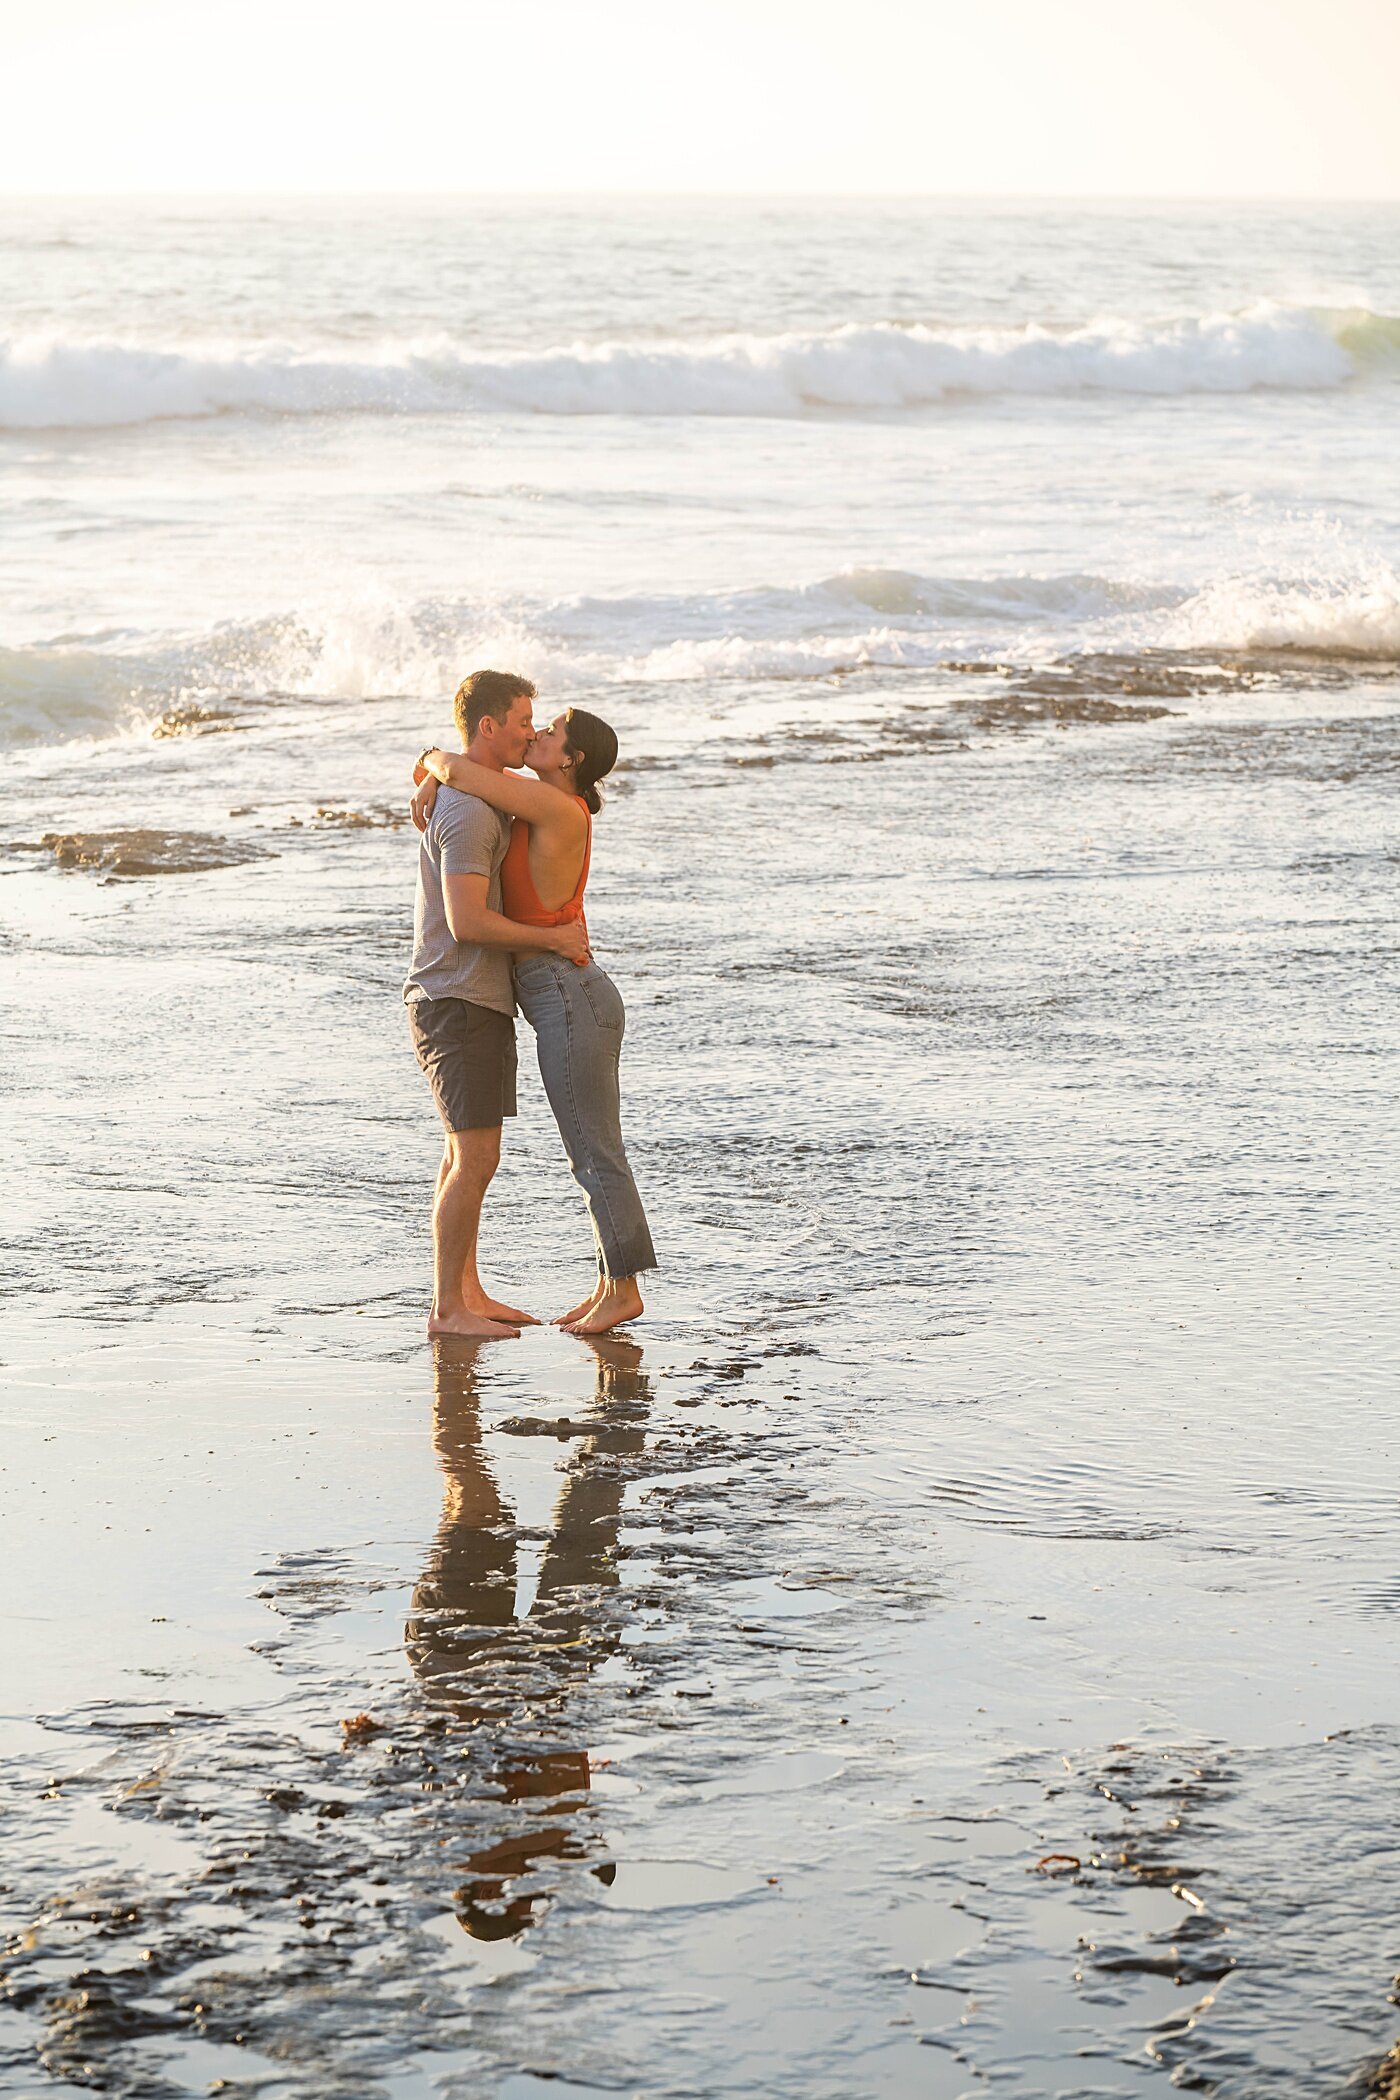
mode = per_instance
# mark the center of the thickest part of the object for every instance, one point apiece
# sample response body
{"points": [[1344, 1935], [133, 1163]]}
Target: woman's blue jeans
{"points": [[578, 1018]]}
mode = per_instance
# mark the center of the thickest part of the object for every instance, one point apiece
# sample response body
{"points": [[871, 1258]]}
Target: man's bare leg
{"points": [[470, 1160], [618, 1299], [475, 1297]]}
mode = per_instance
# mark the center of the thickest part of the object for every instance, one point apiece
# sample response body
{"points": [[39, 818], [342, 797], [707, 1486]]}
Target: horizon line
{"points": [[687, 196]]}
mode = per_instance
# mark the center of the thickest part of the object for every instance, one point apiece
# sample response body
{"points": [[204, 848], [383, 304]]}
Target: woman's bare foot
{"points": [[471, 1326], [615, 1302], [585, 1305], [492, 1309]]}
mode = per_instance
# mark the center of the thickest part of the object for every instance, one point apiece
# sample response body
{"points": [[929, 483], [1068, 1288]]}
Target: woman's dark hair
{"points": [[593, 747]]}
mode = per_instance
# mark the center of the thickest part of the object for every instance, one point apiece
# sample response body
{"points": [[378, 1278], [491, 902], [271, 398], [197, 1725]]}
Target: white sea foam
{"points": [[367, 648], [54, 693], [52, 381], [1348, 616]]}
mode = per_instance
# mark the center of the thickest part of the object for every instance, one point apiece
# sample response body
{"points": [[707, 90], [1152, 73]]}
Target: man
{"points": [[461, 1004]]}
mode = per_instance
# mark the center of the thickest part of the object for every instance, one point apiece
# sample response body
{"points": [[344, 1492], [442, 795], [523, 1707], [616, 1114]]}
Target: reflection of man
{"points": [[461, 1002], [486, 1668]]}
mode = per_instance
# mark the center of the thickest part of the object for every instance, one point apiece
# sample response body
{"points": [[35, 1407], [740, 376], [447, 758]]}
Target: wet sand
{"points": [[951, 1644]]}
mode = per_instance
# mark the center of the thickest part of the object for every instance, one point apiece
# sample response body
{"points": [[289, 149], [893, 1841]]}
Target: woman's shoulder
{"points": [[555, 815], [572, 808]]}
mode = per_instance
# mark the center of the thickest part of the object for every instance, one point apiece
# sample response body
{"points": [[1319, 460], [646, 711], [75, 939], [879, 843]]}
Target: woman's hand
{"points": [[424, 796]]}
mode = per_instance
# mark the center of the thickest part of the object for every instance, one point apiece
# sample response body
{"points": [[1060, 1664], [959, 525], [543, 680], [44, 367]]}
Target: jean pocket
{"points": [[603, 997]]}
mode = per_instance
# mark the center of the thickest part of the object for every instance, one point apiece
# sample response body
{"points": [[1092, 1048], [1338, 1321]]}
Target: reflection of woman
{"points": [[487, 1669], [575, 1010]]}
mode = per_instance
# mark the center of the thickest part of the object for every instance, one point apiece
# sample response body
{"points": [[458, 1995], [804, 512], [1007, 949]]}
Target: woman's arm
{"points": [[508, 792], [424, 798]]}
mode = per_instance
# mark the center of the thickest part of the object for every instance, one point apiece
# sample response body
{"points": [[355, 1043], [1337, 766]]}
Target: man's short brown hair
{"points": [[485, 693]]}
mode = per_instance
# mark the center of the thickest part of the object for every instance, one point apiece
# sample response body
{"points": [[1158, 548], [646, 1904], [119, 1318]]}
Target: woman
{"points": [[575, 1009]]}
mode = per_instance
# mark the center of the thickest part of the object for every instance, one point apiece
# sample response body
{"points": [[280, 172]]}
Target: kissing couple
{"points": [[498, 922]]}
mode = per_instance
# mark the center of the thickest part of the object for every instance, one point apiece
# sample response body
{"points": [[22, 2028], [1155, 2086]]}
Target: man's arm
{"points": [[471, 919]]}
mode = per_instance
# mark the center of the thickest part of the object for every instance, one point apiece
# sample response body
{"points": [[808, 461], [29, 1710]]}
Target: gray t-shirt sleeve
{"points": [[468, 835]]}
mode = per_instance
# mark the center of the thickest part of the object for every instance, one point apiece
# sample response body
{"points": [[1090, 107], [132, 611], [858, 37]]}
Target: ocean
{"points": [[339, 450], [953, 1638]]}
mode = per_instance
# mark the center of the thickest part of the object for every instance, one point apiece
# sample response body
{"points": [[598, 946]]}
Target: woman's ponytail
{"points": [[593, 747]]}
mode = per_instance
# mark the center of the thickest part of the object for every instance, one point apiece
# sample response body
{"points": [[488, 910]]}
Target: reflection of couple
{"points": [[513, 1681], [501, 876]]}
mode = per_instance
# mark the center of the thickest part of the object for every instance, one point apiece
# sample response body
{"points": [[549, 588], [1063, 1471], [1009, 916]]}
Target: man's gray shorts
{"points": [[468, 1053]]}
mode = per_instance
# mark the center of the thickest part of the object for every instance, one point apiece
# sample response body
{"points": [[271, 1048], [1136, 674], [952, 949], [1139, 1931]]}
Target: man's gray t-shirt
{"points": [[464, 837]]}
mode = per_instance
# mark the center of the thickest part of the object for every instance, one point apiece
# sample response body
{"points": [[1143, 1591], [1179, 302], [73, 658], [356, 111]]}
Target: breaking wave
{"points": [[861, 619], [56, 382], [1346, 617]]}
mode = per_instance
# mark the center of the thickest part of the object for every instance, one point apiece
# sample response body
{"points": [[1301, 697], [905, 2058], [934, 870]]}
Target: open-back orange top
{"points": [[519, 897]]}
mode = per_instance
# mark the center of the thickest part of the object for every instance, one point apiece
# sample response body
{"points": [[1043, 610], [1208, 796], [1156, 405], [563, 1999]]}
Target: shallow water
{"points": [[1004, 1469]]}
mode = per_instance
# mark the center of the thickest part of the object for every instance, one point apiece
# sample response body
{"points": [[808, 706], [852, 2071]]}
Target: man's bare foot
{"points": [[615, 1303], [492, 1309], [472, 1327], [585, 1305]]}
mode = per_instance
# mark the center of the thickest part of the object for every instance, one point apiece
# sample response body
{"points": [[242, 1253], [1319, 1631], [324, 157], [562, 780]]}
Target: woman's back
{"points": [[537, 869]]}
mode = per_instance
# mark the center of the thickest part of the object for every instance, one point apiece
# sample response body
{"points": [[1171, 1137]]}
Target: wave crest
{"points": [[55, 382]]}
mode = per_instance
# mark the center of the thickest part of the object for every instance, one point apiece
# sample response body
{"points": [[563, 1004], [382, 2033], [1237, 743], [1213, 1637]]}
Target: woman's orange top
{"points": [[519, 897]]}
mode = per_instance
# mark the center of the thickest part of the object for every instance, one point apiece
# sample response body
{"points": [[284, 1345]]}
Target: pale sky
{"points": [[1292, 98]]}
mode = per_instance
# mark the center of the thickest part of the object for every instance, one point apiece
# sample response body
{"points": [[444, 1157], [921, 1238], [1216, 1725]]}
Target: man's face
{"points": [[516, 733]]}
